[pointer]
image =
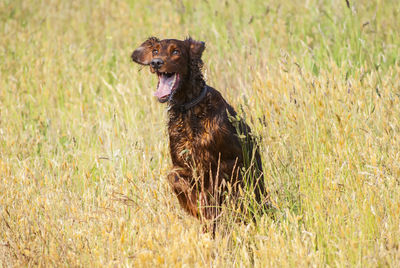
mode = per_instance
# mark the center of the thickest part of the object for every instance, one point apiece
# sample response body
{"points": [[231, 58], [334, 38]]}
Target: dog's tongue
{"points": [[165, 85]]}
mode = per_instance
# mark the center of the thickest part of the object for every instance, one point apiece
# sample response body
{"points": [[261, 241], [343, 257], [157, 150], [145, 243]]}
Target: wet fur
{"points": [[206, 151]]}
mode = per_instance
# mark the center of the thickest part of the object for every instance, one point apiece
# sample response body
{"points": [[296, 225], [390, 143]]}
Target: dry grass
{"points": [[83, 145]]}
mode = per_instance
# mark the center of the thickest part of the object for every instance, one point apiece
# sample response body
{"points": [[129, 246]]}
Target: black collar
{"points": [[187, 106]]}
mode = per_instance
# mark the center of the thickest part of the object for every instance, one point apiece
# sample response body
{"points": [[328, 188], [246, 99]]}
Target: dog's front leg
{"points": [[187, 195]]}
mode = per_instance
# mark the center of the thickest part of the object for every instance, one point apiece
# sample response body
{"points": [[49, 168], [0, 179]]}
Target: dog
{"points": [[214, 154]]}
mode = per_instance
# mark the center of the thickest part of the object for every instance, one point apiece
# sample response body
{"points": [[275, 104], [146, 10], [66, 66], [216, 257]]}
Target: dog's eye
{"points": [[175, 52], [155, 52]]}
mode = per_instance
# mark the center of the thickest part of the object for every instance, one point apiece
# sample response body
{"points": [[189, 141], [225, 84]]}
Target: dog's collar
{"points": [[187, 106], [194, 102]]}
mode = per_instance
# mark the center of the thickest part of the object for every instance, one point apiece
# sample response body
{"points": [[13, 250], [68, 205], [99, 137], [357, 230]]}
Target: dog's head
{"points": [[171, 60]]}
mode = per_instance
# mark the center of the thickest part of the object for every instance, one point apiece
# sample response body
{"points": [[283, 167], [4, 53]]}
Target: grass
{"points": [[83, 143]]}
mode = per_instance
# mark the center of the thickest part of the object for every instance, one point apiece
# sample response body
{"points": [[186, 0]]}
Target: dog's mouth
{"points": [[167, 83]]}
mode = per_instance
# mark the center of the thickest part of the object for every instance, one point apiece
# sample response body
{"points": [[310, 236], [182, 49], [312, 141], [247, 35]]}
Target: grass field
{"points": [[84, 148]]}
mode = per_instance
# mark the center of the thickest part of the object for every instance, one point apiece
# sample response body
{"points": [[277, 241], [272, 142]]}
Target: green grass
{"points": [[84, 149]]}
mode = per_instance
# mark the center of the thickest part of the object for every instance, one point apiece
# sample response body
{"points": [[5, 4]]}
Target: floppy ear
{"points": [[143, 54], [196, 48]]}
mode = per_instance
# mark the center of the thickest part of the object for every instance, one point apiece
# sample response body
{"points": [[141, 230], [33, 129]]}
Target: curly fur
{"points": [[206, 152]]}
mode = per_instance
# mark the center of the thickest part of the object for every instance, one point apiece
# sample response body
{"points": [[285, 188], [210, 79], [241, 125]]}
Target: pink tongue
{"points": [[164, 86]]}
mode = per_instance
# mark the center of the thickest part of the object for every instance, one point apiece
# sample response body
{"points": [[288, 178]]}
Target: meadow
{"points": [[84, 147]]}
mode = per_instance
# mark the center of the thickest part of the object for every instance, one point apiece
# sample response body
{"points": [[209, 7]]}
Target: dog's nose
{"points": [[156, 63]]}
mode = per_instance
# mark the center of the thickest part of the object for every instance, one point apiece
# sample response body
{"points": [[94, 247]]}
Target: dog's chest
{"points": [[189, 135]]}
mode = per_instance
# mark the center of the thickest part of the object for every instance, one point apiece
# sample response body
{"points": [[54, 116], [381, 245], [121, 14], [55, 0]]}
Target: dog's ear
{"points": [[196, 48], [143, 54]]}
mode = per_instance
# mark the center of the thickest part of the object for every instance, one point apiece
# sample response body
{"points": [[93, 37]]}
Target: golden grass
{"points": [[83, 144]]}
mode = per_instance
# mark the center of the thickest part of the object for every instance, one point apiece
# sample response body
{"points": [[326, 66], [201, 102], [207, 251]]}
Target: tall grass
{"points": [[83, 144]]}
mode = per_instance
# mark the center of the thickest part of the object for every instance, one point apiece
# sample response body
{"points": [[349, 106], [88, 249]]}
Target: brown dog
{"points": [[213, 153]]}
